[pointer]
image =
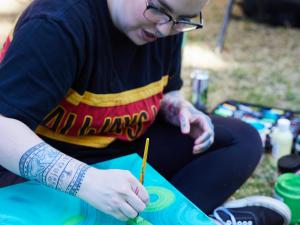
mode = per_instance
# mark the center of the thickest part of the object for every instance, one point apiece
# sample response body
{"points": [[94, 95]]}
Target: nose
{"points": [[164, 29]]}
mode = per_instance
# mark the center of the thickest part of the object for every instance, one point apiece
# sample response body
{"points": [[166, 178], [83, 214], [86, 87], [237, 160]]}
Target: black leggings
{"points": [[210, 178], [207, 179]]}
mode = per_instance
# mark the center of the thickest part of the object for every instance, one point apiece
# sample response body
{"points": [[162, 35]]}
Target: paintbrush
{"points": [[144, 163]]}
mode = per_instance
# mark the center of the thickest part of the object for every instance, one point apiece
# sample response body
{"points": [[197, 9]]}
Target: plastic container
{"points": [[289, 163], [282, 139], [287, 189]]}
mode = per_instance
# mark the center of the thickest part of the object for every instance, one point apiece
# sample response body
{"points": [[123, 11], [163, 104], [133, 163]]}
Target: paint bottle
{"points": [[282, 139], [287, 189]]}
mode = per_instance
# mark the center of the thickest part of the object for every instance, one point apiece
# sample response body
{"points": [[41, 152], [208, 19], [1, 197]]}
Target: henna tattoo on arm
{"points": [[48, 166]]}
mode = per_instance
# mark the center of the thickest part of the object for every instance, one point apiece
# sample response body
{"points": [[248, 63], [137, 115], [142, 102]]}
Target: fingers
{"points": [[203, 137], [205, 122], [199, 148], [209, 122], [206, 127], [120, 215], [135, 201], [184, 119], [139, 190], [143, 194], [138, 198], [205, 140], [128, 211]]}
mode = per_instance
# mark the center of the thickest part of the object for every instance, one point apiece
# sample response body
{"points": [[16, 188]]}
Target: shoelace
{"points": [[226, 211]]}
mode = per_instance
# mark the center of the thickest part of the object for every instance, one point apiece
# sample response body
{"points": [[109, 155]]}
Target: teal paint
{"points": [[31, 203]]}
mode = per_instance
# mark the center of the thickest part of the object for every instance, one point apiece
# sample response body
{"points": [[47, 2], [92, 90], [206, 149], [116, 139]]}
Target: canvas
{"points": [[30, 203]]}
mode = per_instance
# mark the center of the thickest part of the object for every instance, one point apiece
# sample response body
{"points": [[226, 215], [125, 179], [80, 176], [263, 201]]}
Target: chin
{"points": [[136, 37], [136, 40]]}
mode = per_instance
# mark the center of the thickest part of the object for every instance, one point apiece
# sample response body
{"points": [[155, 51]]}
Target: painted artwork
{"points": [[33, 204]]}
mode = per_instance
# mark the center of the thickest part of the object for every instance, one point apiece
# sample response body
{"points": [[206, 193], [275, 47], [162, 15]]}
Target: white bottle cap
{"points": [[283, 124]]}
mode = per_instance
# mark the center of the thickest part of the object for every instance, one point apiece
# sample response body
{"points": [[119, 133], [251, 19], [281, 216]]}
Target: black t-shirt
{"points": [[72, 77]]}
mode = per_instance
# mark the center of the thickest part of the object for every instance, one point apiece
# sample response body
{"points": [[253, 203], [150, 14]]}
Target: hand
{"points": [[180, 112], [197, 125], [114, 192]]}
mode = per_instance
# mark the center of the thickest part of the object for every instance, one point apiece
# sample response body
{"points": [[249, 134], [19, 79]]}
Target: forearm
{"points": [[25, 154]]}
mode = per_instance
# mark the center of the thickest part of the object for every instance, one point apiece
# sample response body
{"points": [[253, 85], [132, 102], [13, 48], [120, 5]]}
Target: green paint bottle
{"points": [[287, 189]]}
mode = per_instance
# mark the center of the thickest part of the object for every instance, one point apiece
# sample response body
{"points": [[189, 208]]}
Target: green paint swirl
{"points": [[164, 199], [75, 220], [138, 221]]}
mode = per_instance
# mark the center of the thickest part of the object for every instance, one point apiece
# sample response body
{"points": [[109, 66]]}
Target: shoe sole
{"points": [[264, 201]]}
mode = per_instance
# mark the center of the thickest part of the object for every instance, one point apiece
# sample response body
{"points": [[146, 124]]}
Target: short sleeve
{"points": [[37, 70], [175, 81]]}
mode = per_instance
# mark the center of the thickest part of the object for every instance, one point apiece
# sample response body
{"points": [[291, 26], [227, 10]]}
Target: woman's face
{"points": [[128, 16]]}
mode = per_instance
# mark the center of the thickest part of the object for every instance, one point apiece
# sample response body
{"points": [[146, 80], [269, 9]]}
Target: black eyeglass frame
{"points": [[171, 18]]}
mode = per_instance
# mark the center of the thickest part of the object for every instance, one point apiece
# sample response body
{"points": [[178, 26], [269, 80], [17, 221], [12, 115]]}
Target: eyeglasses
{"points": [[161, 16]]}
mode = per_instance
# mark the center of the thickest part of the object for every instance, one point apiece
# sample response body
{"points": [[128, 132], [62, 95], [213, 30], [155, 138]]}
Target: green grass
{"points": [[261, 67], [262, 62]]}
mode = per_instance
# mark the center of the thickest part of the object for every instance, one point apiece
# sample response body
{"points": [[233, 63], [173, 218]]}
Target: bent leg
{"points": [[210, 178]]}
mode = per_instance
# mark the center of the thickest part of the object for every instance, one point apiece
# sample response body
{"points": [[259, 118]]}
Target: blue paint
{"points": [[256, 124]]}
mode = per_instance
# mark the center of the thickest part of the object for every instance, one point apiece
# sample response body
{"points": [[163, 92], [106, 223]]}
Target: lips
{"points": [[147, 36]]}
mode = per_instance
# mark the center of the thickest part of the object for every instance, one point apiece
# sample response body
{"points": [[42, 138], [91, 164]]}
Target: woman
{"points": [[83, 81]]}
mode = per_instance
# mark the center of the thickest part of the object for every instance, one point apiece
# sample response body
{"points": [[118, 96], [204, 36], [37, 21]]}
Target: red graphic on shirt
{"points": [[125, 122], [4, 48]]}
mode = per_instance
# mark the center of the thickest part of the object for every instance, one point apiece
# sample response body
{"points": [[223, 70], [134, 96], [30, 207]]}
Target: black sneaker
{"points": [[254, 210]]}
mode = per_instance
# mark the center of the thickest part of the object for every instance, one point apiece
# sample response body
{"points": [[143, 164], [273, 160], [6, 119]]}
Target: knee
{"points": [[248, 135], [244, 138], [248, 140]]}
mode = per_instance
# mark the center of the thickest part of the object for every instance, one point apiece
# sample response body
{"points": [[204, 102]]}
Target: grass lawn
{"points": [[259, 64]]}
